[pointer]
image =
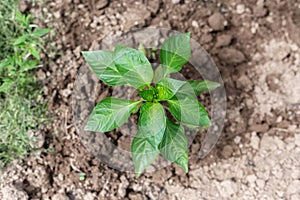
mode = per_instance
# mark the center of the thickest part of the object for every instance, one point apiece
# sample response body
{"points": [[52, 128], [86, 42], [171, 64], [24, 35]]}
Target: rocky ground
{"points": [[254, 43]]}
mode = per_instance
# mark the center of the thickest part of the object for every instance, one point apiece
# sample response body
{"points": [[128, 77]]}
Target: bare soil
{"points": [[254, 43]]}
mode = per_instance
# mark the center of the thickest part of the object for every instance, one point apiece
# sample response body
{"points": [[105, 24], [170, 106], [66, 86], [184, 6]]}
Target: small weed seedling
{"points": [[81, 176], [157, 133]]}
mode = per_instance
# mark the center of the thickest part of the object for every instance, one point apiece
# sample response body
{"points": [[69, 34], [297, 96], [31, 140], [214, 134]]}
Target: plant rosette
{"points": [[157, 133]]}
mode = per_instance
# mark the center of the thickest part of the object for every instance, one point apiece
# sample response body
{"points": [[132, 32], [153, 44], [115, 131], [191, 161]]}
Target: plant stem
{"points": [[167, 108]]}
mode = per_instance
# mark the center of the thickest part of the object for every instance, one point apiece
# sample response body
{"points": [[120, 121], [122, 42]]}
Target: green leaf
{"points": [[112, 77], [101, 62], [168, 87], [28, 65], [136, 109], [34, 52], [175, 52], [23, 19], [152, 125], [109, 114], [4, 63], [152, 122], [133, 66], [173, 146], [40, 32], [186, 90], [183, 162], [21, 40], [202, 86], [143, 153], [147, 94], [188, 110], [158, 74], [142, 49], [98, 60], [6, 85]]}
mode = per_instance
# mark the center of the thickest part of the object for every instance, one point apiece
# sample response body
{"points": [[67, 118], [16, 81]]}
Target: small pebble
{"points": [[240, 8]]}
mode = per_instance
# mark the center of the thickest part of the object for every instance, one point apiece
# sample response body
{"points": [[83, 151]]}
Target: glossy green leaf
{"points": [[143, 153], [168, 87], [188, 110], [152, 122], [202, 86], [152, 125], [40, 32], [133, 66], [101, 62], [186, 90], [136, 109], [159, 74], [112, 77], [173, 146], [147, 94], [175, 52], [142, 49], [109, 114], [183, 161]]}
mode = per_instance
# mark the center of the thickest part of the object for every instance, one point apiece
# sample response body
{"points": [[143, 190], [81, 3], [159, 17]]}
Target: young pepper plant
{"points": [[157, 134]]}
